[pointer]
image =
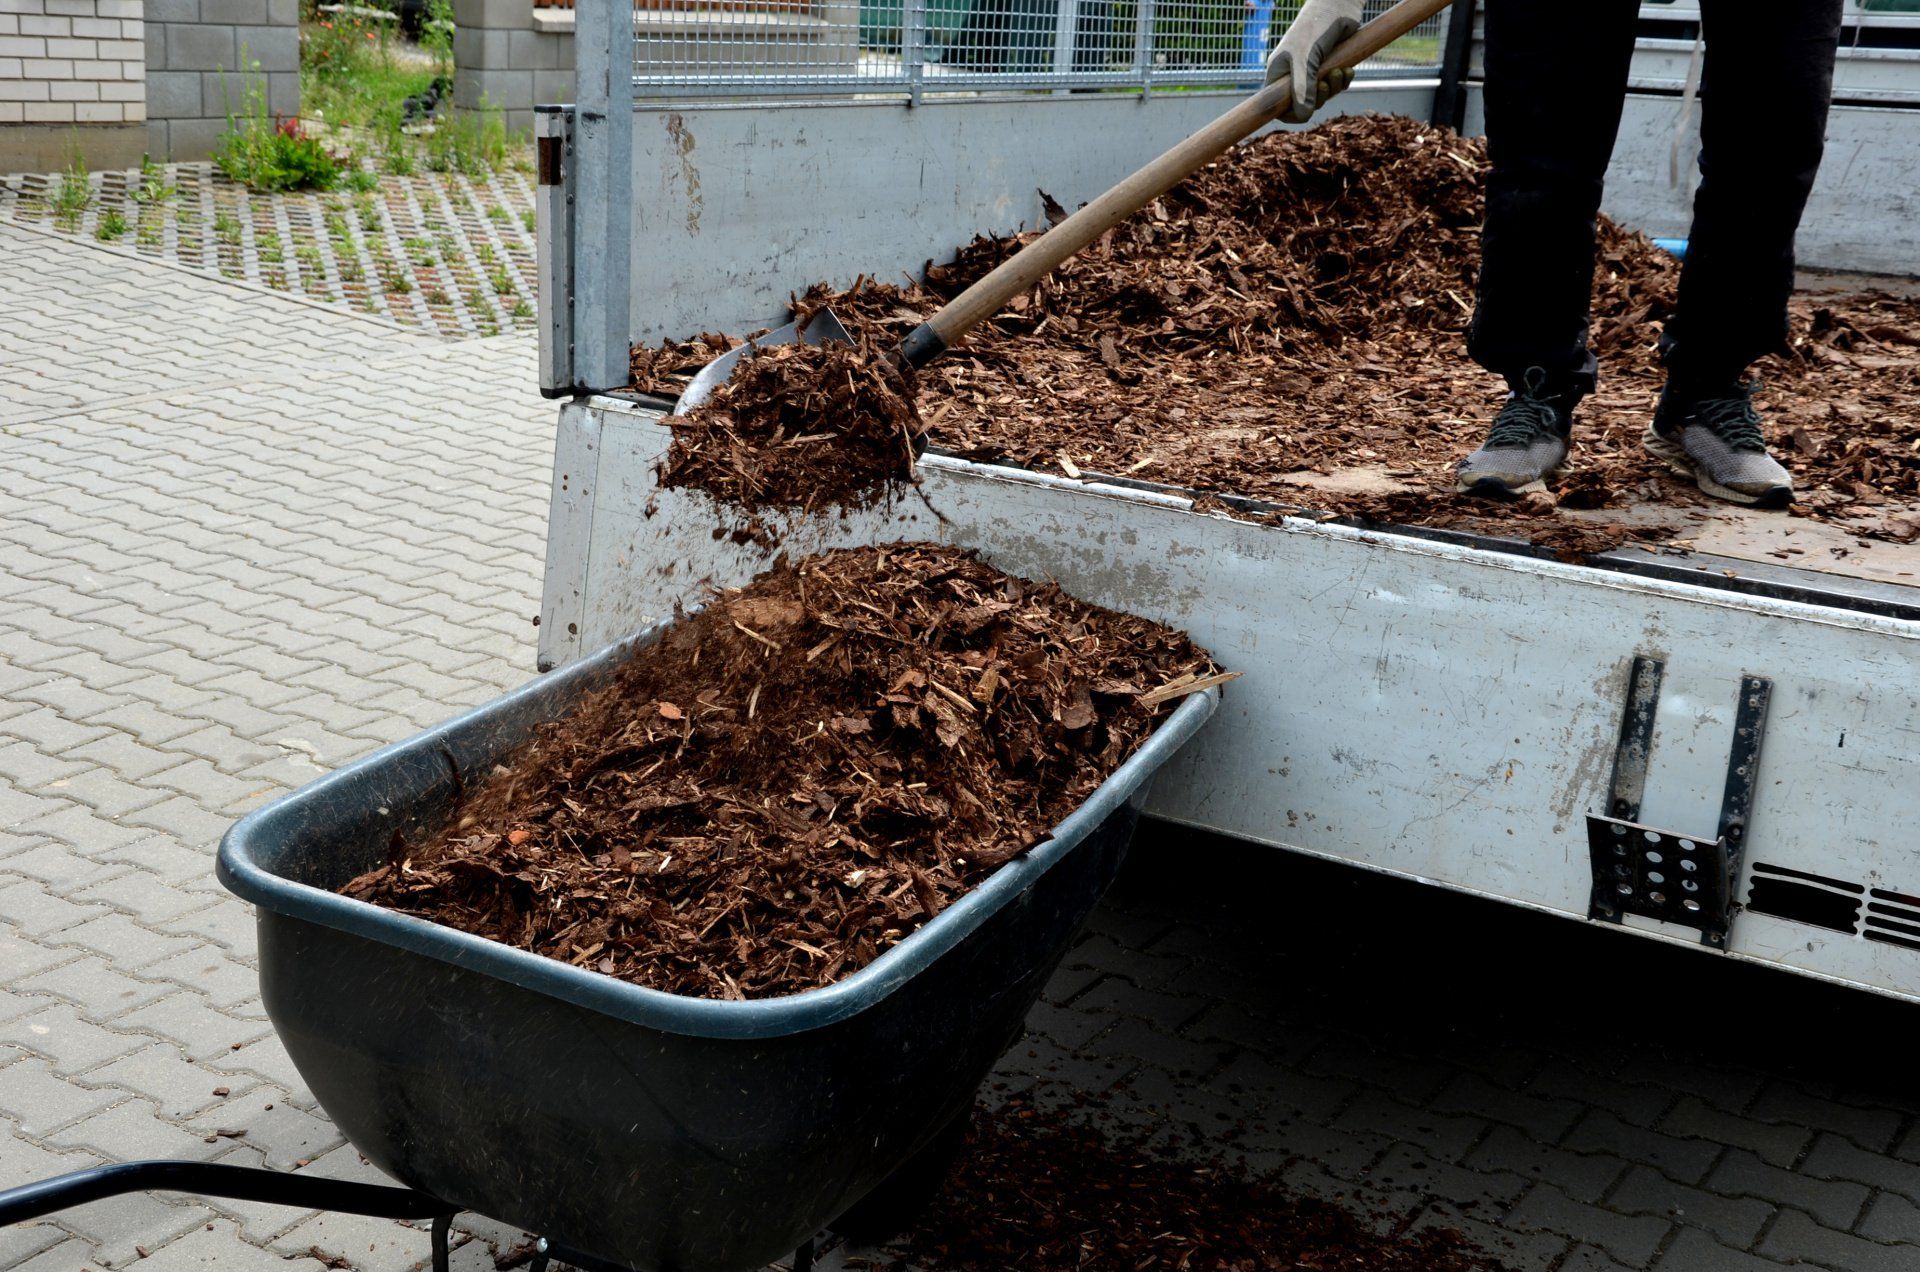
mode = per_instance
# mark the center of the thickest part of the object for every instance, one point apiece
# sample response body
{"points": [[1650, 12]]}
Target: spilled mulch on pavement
{"points": [[1043, 1190], [802, 427], [800, 775], [1290, 324]]}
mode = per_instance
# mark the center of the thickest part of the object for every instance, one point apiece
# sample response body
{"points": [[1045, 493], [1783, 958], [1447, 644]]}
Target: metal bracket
{"points": [[1667, 874]]}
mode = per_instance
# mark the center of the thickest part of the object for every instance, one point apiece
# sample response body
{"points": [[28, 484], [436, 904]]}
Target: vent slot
{"points": [[1901, 898], [1784, 872], [1888, 925], [1888, 938], [1894, 912], [1785, 899]]}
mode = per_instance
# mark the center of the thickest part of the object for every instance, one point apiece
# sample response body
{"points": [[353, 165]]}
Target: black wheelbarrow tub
{"points": [[650, 1129]]}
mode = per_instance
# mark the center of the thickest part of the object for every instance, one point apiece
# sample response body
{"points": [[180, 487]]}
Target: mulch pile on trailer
{"points": [[1046, 1191], [800, 775], [1290, 322]]}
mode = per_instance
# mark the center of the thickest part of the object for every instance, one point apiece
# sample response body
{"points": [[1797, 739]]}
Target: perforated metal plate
{"points": [[1660, 874]]}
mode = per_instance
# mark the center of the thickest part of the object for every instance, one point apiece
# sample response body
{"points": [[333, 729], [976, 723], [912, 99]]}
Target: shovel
{"points": [[1037, 259]]}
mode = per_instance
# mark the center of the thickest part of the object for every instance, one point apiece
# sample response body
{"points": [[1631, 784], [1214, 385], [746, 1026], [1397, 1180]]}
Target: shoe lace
{"points": [[1732, 419], [1527, 415]]}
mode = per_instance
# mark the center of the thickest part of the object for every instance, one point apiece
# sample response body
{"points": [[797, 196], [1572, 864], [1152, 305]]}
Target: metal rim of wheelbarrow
{"points": [[241, 874]]}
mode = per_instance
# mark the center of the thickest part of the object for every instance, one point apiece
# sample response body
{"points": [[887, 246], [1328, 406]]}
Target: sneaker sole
{"points": [[1676, 458], [1494, 488]]}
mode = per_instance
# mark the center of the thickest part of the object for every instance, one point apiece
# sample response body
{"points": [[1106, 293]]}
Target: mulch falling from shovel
{"points": [[1046, 1191], [800, 427], [800, 775], [1296, 312]]}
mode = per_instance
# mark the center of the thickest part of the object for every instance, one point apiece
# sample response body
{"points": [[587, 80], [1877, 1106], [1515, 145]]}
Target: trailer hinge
{"points": [[1667, 874]]}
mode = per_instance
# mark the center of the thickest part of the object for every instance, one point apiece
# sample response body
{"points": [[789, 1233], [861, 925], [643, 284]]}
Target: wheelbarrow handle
{"points": [[1039, 258], [214, 1179]]}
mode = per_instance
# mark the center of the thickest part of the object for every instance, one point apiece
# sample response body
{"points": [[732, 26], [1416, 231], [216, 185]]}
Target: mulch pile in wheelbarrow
{"points": [[1290, 322], [1047, 1191], [799, 775]]}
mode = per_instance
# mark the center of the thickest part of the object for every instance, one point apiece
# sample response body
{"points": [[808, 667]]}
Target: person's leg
{"points": [[1556, 84], [1556, 80], [1763, 98]]}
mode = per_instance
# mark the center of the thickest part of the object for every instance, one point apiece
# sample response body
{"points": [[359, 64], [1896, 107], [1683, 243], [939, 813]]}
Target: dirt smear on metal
{"points": [[1289, 325], [800, 775]]}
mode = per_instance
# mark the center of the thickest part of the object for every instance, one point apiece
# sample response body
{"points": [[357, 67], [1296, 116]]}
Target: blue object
{"points": [[657, 1131], [1255, 36], [1676, 247]]}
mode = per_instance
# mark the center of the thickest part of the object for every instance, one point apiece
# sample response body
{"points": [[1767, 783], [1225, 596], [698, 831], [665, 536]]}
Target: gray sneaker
{"points": [[1716, 440], [1527, 443]]}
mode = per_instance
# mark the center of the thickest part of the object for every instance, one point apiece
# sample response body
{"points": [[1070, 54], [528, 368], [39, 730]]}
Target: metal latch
{"points": [[1663, 874]]}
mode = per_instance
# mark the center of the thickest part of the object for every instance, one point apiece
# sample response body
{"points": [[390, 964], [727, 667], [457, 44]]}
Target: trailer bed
{"points": [[1444, 707]]}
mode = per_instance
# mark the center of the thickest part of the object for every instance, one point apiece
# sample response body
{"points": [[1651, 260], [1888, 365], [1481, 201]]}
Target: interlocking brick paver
{"points": [[1685, 1160], [1835, 1157], [1633, 1239], [1797, 1238], [1872, 1128], [1891, 1218], [1733, 1220], [70, 1043], [38, 1101], [91, 983], [1695, 1251], [1836, 1203]]}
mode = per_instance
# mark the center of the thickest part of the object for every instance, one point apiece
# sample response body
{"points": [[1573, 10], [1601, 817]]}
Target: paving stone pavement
{"points": [[444, 251], [244, 539]]}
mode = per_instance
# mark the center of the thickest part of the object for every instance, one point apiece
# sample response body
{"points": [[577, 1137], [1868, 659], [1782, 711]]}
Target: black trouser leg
{"points": [[1763, 120], [1556, 83]]}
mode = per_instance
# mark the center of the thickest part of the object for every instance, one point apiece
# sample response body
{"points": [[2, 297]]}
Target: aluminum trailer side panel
{"points": [[1440, 712]]}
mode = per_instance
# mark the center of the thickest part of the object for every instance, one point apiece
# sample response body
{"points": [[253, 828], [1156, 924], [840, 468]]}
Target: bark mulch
{"points": [[799, 775], [1044, 1190], [1290, 324], [798, 426]]}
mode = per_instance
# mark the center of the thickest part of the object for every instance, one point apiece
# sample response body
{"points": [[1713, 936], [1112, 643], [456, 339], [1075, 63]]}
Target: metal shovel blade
{"points": [[822, 329]]}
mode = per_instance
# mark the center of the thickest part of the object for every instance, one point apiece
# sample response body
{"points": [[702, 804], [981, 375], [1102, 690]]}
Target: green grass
{"points": [[360, 97], [111, 227], [75, 191]]}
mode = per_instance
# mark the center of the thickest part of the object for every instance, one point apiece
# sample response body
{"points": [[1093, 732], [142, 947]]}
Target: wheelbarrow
{"points": [[635, 1129]]}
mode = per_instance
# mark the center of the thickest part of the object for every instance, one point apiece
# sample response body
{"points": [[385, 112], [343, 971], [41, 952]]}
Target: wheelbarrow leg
{"points": [[442, 1242], [803, 1257]]}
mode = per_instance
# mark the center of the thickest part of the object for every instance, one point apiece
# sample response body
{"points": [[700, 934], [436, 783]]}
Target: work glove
{"points": [[1319, 28]]}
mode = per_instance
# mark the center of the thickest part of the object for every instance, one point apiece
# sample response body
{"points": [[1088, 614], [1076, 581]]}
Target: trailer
{"points": [[1700, 746]]}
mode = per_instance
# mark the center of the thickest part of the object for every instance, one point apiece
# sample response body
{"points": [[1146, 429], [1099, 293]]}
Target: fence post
{"points": [[603, 231], [1066, 22], [1456, 52], [913, 45], [1143, 45]]}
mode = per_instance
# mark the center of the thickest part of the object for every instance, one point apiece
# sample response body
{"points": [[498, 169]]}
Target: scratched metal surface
{"points": [[1433, 711], [735, 209]]}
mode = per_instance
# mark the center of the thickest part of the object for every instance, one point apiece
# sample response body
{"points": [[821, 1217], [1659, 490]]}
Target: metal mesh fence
{"points": [[755, 48]]}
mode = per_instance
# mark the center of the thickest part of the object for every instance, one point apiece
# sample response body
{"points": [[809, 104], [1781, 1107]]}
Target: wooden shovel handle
{"points": [[1039, 258]]}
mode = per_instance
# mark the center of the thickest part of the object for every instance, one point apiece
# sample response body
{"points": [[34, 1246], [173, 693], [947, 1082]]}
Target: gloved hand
{"points": [[1320, 26]]}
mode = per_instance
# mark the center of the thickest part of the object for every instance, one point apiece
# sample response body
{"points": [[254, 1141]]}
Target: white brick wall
{"points": [[72, 62]]}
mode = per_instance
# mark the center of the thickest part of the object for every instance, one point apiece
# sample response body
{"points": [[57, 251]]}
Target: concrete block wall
{"points": [[72, 78], [511, 56], [193, 53]]}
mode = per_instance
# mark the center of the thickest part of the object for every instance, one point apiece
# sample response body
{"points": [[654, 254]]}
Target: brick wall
{"points": [[72, 75], [511, 56], [193, 56]]}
